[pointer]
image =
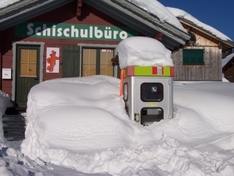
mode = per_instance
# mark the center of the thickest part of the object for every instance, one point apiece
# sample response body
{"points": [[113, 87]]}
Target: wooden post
{"points": [[78, 10], [0, 60]]}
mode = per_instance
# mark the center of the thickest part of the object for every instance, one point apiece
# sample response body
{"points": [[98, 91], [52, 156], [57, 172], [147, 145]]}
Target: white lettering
{"points": [[30, 30], [115, 34], [38, 31], [91, 32], [54, 31], [98, 33], [108, 33], [84, 33], [74, 32], [66, 32], [123, 35], [59, 32], [46, 31]]}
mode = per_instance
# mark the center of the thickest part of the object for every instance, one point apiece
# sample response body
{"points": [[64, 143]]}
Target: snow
{"points": [[165, 14], [4, 104], [142, 51], [227, 59], [5, 3], [156, 8], [78, 126], [182, 14]]}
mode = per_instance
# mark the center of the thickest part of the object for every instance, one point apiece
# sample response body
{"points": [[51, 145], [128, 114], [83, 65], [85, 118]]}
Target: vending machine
{"points": [[148, 93]]}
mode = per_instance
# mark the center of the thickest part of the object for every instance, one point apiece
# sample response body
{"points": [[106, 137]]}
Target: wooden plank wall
{"points": [[210, 71]]}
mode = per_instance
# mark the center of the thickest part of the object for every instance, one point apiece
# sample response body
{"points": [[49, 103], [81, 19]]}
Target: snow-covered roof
{"points": [[156, 8], [185, 15], [5, 3], [227, 59], [165, 14], [128, 13]]}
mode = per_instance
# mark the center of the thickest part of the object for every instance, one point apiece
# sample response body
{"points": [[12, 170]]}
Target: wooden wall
{"points": [[229, 74], [228, 71], [210, 71], [89, 16]]}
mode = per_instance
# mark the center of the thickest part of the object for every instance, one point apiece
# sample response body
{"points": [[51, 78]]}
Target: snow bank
{"points": [[82, 114], [200, 117], [4, 104], [81, 123]]}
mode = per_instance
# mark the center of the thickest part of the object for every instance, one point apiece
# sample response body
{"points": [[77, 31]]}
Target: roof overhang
{"points": [[26, 9], [230, 63], [141, 21], [225, 44], [123, 11]]}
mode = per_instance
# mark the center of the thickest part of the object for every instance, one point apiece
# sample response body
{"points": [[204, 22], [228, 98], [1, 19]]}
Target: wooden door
{"points": [[27, 71]]}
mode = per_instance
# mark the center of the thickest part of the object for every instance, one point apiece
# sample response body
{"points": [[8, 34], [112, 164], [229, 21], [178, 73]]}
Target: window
{"points": [[97, 61], [125, 91], [28, 63], [193, 57]]}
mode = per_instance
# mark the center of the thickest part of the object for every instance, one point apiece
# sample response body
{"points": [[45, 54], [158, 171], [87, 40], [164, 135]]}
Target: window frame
{"points": [[188, 57]]}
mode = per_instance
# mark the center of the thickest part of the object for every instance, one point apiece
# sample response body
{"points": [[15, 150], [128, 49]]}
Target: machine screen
{"points": [[151, 92]]}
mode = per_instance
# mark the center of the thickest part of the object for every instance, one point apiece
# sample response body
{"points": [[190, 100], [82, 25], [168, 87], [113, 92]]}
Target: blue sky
{"points": [[216, 13]]}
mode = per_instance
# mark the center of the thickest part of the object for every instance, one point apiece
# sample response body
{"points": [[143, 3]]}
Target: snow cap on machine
{"points": [[143, 51]]}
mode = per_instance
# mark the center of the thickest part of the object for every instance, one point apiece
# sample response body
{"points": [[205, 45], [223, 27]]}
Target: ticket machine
{"points": [[148, 93]]}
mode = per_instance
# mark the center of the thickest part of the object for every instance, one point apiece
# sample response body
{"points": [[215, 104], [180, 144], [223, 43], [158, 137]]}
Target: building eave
{"points": [[123, 11], [225, 44], [27, 9], [228, 64], [142, 21]]}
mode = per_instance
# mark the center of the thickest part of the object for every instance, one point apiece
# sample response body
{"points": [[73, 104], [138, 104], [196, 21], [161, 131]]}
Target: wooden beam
{"points": [[79, 6], [220, 45], [159, 36]]}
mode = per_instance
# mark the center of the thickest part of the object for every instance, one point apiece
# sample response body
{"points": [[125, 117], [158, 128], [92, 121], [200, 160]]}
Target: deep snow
{"points": [[82, 127], [78, 126]]}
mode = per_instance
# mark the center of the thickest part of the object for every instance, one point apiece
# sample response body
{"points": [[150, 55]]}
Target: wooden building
{"points": [[201, 58], [228, 68], [46, 39]]}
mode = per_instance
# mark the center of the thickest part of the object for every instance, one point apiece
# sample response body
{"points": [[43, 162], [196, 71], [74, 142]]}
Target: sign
{"points": [[52, 60], [73, 31], [6, 73]]}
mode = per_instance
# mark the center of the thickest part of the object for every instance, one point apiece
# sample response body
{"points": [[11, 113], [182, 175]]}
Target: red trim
{"points": [[131, 71], [172, 70], [154, 70]]}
